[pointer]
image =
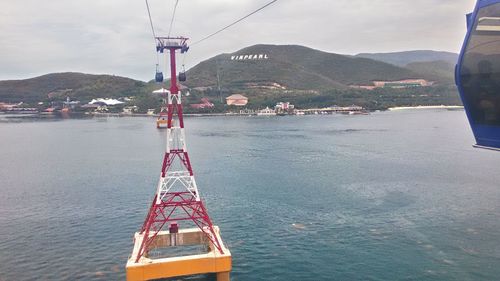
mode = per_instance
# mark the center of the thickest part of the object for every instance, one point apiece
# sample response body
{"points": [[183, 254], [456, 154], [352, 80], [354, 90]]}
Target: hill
{"points": [[75, 85], [442, 70], [292, 67], [312, 78], [404, 58], [265, 73]]}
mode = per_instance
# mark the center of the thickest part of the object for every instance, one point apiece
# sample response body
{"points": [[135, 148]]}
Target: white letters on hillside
{"points": [[250, 57]]}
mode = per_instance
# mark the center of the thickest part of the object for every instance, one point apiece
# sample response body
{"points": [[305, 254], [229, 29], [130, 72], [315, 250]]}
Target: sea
{"points": [[398, 195]]}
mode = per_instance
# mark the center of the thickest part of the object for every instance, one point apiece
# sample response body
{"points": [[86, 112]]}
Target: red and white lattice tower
{"points": [[162, 116], [177, 197]]}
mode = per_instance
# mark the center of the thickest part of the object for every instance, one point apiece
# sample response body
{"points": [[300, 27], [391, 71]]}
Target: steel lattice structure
{"points": [[177, 197]]}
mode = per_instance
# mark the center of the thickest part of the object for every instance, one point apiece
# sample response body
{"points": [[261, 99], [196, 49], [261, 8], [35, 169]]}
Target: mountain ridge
{"points": [[293, 66], [72, 84], [285, 69], [403, 58]]}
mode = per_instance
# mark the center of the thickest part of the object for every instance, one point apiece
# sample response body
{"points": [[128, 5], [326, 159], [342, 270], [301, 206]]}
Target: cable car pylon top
{"points": [[175, 43]]}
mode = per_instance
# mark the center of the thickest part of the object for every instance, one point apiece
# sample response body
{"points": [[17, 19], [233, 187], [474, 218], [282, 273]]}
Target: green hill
{"points": [[298, 74], [75, 85], [292, 67], [442, 71]]}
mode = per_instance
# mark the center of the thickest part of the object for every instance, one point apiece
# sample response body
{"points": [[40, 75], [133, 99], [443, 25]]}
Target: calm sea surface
{"points": [[389, 196]]}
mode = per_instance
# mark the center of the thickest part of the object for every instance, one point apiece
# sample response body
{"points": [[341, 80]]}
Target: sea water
{"points": [[387, 196]]}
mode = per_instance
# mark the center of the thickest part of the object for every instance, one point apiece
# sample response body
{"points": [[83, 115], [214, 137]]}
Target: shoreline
{"points": [[425, 107], [96, 114]]}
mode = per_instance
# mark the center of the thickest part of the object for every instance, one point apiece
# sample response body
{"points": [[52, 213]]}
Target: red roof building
{"points": [[205, 103], [237, 100]]}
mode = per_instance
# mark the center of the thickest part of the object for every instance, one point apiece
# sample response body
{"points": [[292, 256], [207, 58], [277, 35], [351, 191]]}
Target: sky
{"points": [[114, 36]]}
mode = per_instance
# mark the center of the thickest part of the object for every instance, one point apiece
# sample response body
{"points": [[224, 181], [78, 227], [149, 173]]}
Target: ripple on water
{"points": [[296, 198]]}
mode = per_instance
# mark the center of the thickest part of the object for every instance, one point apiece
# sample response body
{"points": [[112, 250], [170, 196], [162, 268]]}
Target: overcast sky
{"points": [[114, 36]]}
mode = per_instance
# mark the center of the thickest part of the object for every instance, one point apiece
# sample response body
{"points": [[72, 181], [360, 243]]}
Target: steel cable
{"points": [[235, 22], [173, 17]]}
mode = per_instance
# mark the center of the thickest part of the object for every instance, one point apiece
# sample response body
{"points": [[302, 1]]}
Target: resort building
{"points": [[399, 84], [284, 106], [93, 106], [407, 83], [130, 109], [70, 104], [108, 102], [205, 103], [4, 105], [237, 100], [266, 112]]}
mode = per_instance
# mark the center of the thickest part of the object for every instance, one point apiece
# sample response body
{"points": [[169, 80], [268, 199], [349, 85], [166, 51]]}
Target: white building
{"points": [[284, 106], [108, 102], [266, 112]]}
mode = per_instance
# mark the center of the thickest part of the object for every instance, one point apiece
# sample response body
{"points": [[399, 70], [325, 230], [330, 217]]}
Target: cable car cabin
{"points": [[478, 73], [159, 77], [182, 76]]}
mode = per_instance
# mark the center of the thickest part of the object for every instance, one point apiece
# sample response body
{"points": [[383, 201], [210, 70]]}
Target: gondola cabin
{"points": [[158, 74], [182, 76], [159, 77], [478, 73]]}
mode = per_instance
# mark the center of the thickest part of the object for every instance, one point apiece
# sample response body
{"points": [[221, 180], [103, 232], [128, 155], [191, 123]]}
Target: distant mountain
{"points": [[442, 71], [404, 58], [76, 85], [292, 67]]}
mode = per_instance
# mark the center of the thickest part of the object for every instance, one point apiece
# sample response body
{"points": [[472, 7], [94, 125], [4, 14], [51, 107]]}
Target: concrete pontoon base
{"points": [[210, 262]]}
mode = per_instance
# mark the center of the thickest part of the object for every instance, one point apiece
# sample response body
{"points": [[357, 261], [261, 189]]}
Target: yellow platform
{"points": [[210, 262], [161, 123]]}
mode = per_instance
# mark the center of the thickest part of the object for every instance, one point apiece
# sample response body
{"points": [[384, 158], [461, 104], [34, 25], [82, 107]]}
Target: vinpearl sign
{"points": [[250, 57]]}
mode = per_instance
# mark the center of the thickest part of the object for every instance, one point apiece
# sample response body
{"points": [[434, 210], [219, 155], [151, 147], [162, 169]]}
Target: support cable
{"points": [[153, 31], [235, 22], [173, 17]]}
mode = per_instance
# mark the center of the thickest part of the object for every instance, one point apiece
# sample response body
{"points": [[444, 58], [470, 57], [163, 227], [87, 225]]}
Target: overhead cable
{"points": [[235, 22], [173, 17], [153, 31], [151, 21]]}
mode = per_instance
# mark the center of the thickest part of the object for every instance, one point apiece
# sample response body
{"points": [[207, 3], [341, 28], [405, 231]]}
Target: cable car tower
{"points": [[177, 200]]}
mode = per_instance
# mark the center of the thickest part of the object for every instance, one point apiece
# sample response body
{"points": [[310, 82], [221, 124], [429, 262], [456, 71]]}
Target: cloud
{"points": [[114, 36]]}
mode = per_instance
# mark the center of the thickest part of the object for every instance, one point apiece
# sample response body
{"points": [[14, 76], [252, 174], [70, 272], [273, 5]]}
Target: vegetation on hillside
{"points": [[378, 99], [300, 75], [294, 67], [440, 71], [70, 84], [404, 58]]}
